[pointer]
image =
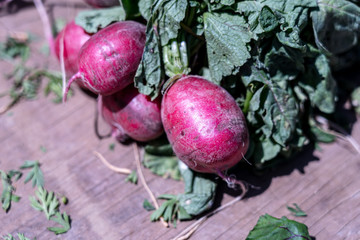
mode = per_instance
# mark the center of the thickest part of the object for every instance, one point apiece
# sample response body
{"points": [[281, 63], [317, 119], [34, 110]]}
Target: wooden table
{"points": [[325, 184]]}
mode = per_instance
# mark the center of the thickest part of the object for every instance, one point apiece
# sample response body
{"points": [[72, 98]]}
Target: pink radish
{"points": [[204, 124], [72, 37], [132, 114], [109, 59]]}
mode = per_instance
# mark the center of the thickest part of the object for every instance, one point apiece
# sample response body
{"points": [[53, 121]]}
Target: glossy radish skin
{"points": [[73, 38], [204, 124], [109, 59], [103, 3], [132, 114]]}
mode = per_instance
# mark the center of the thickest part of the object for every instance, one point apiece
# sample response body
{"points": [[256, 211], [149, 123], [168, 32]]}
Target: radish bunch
{"points": [[203, 123]]}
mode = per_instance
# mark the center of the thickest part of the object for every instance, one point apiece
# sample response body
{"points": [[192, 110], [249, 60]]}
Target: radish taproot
{"points": [[132, 114], [102, 3], [109, 59], [204, 125], [72, 37]]}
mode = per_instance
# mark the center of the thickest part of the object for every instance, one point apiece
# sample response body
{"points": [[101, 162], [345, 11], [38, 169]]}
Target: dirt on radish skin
{"points": [[109, 59], [132, 114], [73, 38], [204, 125]]}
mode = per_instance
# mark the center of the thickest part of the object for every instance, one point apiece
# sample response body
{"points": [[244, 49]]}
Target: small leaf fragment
{"points": [[93, 20], [297, 211], [62, 219], [148, 206], [35, 175], [133, 178]]}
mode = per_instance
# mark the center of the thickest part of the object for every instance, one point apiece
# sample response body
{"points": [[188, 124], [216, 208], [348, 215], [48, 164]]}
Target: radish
{"points": [[109, 59], [204, 125], [132, 114], [102, 3], [73, 37]]}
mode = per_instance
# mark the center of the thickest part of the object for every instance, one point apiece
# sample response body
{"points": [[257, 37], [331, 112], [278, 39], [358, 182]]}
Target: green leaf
{"points": [[199, 191], [269, 227], [267, 19], [319, 134], [319, 84], [148, 206], [266, 150], [149, 74], [145, 7], [336, 25], [7, 195], [165, 166], [45, 202], [63, 220], [227, 37], [355, 99], [35, 175], [94, 20], [296, 211], [172, 12], [133, 178]]}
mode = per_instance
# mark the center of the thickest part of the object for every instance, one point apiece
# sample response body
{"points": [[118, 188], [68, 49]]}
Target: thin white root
{"points": [[143, 181], [62, 63], [110, 166], [187, 232], [46, 23]]}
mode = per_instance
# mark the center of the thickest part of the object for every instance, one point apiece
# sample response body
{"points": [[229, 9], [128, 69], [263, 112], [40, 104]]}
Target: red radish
{"points": [[132, 114], [109, 59], [103, 3], [204, 125], [73, 37]]}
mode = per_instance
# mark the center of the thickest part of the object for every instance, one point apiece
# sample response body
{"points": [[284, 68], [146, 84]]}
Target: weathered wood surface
{"points": [[325, 184]]}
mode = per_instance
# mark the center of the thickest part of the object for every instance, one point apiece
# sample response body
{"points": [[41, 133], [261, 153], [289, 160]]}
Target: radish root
{"points": [[143, 181], [112, 167]]}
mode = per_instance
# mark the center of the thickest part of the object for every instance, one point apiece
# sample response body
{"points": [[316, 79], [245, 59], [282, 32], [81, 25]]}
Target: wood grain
{"points": [[325, 184]]}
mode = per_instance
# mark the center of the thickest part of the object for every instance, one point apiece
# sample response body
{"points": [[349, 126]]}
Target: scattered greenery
{"points": [[35, 175], [7, 195], [297, 211], [111, 146], [148, 206], [62, 219], [132, 177], [198, 197], [45, 202], [21, 236], [26, 81], [48, 203], [170, 210]]}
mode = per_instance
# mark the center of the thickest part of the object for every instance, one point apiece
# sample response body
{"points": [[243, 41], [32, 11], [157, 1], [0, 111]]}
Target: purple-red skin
{"points": [[103, 3], [109, 59], [132, 114], [204, 125], [74, 37]]}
